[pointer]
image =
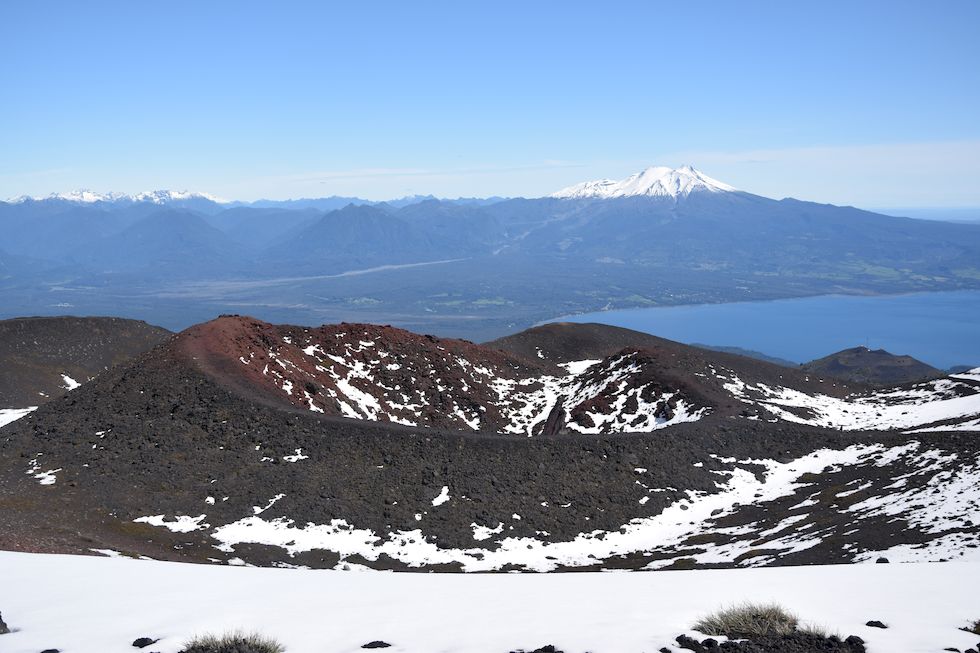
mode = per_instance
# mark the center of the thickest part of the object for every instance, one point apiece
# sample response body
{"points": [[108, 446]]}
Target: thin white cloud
{"points": [[378, 183], [895, 174]]}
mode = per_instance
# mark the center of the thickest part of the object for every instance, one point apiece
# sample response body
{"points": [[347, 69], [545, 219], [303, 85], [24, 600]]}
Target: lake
{"points": [[939, 328]]}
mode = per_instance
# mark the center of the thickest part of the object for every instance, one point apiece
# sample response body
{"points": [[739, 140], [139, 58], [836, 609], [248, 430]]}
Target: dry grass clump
{"points": [[815, 631], [750, 620], [974, 627], [235, 642]]}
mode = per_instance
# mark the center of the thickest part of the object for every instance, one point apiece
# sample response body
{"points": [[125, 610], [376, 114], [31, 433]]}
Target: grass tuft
{"points": [[234, 642], [815, 630], [974, 627], [749, 620]]}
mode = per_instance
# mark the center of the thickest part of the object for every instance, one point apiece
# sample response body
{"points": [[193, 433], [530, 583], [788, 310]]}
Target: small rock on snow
{"points": [[143, 642]]}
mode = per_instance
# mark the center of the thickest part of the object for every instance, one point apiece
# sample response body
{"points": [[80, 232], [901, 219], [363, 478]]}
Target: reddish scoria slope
{"points": [[386, 374]]}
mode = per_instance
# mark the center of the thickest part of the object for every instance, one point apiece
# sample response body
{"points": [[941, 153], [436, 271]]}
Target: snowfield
{"points": [[83, 604], [8, 415]]}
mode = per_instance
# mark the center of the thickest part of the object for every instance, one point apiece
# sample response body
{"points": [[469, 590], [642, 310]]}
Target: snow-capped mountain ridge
{"points": [[85, 196], [655, 181]]}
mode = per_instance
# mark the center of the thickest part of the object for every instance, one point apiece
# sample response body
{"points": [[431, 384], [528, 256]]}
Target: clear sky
{"points": [[865, 103]]}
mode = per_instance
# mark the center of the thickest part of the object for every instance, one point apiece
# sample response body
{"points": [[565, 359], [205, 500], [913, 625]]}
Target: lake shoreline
{"points": [[938, 327]]}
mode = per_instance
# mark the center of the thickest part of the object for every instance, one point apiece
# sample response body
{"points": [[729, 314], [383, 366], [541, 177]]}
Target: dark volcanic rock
{"points": [[4, 630], [36, 351], [143, 642], [190, 429], [875, 624], [877, 367], [796, 643], [550, 648], [377, 644]]}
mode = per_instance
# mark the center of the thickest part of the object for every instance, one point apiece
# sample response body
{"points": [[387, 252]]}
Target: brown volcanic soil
{"points": [[440, 383], [875, 367], [161, 435], [239, 352], [676, 362], [36, 351]]}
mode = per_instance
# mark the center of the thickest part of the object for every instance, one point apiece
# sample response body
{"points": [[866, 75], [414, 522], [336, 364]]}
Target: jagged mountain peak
{"points": [[85, 196], [655, 181]]}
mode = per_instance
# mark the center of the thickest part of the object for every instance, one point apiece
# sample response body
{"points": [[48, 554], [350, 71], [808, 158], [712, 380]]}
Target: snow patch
{"points": [[70, 383], [443, 496], [179, 524], [8, 415]]}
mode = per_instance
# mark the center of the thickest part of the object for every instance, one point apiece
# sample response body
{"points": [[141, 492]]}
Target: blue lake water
{"points": [[940, 328]]}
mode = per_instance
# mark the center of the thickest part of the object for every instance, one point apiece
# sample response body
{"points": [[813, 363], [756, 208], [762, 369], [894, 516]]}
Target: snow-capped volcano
{"points": [[84, 196], [655, 181]]}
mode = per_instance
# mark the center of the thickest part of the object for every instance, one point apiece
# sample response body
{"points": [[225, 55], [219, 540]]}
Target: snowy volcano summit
{"points": [[655, 181]]}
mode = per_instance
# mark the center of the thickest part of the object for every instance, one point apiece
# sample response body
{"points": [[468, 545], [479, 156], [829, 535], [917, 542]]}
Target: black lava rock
{"points": [[550, 648], [51, 650], [875, 624], [143, 642], [795, 643], [376, 644], [3, 627], [882, 561], [689, 643]]}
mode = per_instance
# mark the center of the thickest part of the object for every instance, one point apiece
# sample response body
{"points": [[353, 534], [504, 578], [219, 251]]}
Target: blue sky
{"points": [[865, 103]]}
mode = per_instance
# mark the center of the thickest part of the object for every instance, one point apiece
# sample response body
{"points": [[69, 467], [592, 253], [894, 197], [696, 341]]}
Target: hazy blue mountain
{"points": [[354, 237], [460, 229], [659, 237], [261, 228], [321, 204], [169, 242], [56, 230], [743, 233]]}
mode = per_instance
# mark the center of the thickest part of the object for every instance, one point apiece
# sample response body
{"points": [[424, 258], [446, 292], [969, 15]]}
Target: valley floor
{"points": [[83, 604]]}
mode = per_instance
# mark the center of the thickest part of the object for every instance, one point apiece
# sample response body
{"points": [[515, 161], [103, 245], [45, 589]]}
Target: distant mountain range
{"points": [[211, 203], [465, 267]]}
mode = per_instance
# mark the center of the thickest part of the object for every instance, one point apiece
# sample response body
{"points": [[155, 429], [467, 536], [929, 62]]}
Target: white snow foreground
{"points": [[655, 181], [83, 604]]}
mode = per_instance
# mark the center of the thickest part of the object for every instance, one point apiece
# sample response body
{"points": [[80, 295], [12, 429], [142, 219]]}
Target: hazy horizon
{"points": [[248, 103]]}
